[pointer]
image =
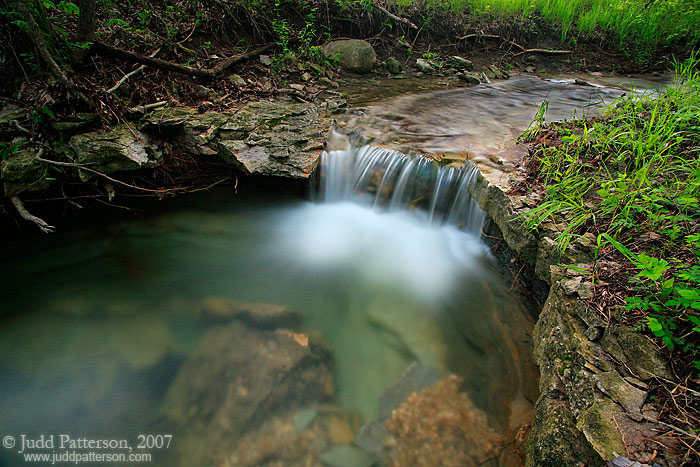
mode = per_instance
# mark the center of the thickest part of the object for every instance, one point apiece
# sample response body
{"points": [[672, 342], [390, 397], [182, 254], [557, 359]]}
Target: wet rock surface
{"points": [[593, 405], [236, 380], [264, 315]]}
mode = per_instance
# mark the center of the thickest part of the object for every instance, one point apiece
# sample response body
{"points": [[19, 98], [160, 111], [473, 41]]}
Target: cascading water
{"points": [[393, 181]]}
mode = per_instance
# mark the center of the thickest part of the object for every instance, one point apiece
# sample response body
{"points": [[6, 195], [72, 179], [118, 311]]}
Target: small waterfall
{"points": [[394, 181]]}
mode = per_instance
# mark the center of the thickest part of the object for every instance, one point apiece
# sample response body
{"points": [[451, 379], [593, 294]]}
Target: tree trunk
{"points": [[36, 36], [86, 20]]}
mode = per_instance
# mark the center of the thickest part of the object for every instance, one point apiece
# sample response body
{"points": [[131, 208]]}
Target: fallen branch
{"points": [[219, 69], [491, 36], [543, 51], [129, 75], [147, 107], [26, 215], [396, 18]]}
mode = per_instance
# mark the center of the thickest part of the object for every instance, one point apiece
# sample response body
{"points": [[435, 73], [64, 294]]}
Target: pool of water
{"points": [[99, 328]]}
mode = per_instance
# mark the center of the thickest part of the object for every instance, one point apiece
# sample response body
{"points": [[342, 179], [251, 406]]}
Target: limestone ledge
{"points": [[593, 377]]}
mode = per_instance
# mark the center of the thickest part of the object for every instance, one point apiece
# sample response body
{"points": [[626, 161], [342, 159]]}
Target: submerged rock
{"points": [[21, 172], [353, 54], [121, 148], [236, 380], [265, 315], [440, 426], [470, 77]]}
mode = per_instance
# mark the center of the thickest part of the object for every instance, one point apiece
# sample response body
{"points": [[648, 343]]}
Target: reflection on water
{"points": [[147, 327]]}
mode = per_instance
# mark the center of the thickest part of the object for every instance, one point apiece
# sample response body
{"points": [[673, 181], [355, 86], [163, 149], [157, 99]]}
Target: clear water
{"points": [[96, 325]]}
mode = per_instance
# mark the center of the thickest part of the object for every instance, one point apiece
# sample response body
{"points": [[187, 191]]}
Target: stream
{"points": [[271, 330]]}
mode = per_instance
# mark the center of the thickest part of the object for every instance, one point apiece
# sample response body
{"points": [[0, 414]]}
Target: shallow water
{"points": [[95, 327]]}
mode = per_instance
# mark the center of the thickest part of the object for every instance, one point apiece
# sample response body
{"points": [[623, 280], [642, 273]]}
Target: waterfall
{"points": [[393, 181]]}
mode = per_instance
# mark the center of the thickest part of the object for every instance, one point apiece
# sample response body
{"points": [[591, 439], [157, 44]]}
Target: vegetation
{"points": [[632, 177]]}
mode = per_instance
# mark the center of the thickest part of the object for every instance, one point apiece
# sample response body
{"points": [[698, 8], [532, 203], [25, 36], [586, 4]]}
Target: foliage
{"points": [[631, 174]]}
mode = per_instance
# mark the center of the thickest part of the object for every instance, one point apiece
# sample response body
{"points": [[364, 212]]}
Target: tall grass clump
{"points": [[646, 24], [638, 166]]}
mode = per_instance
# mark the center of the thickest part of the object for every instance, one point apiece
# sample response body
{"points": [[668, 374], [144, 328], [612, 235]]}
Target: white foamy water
{"points": [[394, 249]]}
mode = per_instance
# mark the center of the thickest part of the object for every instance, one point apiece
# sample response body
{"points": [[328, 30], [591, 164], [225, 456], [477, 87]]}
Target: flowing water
{"points": [[118, 331]]}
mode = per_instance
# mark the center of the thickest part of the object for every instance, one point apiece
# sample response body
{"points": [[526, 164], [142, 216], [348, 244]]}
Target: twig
{"points": [[26, 215], [129, 75], [147, 107], [542, 51], [491, 36], [681, 431], [396, 18]]}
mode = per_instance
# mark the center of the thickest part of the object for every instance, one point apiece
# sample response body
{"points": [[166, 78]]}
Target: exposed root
{"points": [[26, 215]]}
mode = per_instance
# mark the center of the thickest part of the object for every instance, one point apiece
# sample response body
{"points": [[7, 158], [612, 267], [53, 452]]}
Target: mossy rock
{"points": [[21, 172], [353, 54]]}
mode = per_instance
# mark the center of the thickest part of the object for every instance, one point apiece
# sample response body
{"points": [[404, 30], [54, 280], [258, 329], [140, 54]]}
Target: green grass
{"points": [[632, 178], [642, 23]]}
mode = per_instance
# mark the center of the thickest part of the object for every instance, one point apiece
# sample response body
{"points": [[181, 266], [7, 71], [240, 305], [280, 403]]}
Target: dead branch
{"points": [[491, 36], [147, 107], [542, 51], [219, 69], [129, 75], [26, 215], [398, 19]]}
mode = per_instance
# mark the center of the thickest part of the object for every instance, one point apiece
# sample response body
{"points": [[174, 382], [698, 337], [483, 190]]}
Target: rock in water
{"points": [[353, 54], [236, 379], [424, 66], [263, 315]]}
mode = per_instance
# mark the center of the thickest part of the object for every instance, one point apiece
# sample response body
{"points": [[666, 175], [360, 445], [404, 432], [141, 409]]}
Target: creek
{"points": [[106, 332]]}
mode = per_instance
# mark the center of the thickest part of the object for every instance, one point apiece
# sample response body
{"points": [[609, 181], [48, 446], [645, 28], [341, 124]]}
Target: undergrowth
{"points": [[632, 177]]}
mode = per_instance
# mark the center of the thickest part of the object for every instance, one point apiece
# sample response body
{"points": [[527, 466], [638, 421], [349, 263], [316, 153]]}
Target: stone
{"points": [[346, 456], [81, 121], [424, 66], [498, 73], [593, 333], [263, 315], [237, 80], [353, 55], [266, 60], [460, 63], [329, 82], [236, 380], [121, 148], [297, 87], [393, 66], [21, 173], [306, 76], [636, 352], [470, 77], [599, 426], [622, 392]]}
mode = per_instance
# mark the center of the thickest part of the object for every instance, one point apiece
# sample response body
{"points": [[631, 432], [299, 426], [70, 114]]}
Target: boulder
{"points": [[236, 380], [353, 54], [497, 73], [238, 80], [121, 148], [21, 172]]}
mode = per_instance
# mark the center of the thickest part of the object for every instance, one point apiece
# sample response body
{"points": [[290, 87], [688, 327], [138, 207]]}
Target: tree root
{"points": [[210, 73], [543, 51], [26, 215]]}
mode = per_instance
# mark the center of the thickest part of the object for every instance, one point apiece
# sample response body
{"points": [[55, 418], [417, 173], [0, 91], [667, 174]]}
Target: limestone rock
{"points": [[80, 122], [393, 66], [622, 392], [424, 66], [237, 80], [636, 351], [266, 60], [599, 426], [497, 73], [460, 63], [21, 172], [236, 380], [470, 77], [264, 315], [121, 148], [353, 54]]}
